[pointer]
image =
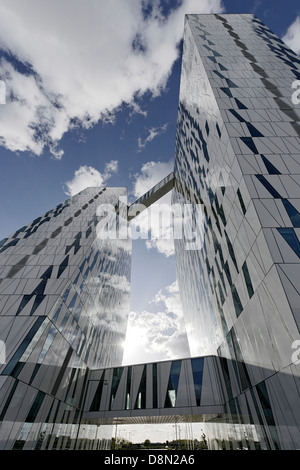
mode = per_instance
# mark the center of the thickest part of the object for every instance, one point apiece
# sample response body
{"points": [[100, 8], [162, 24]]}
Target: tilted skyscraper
{"points": [[64, 291], [64, 300], [238, 156]]}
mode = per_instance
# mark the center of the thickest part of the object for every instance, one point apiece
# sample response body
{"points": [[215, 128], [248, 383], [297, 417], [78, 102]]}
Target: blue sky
{"points": [[92, 94]]}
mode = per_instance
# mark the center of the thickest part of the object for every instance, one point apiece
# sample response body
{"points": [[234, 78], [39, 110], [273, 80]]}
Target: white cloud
{"points": [[117, 282], [84, 60], [111, 167], [150, 174], [87, 176], [155, 223], [292, 36], [152, 133], [157, 336], [170, 298]]}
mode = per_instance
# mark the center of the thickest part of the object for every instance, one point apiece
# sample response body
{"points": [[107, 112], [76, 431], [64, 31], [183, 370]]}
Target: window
{"points": [[249, 142], [95, 406], [291, 238], [140, 402], [117, 374], [173, 384], [247, 280], [154, 385], [236, 301], [128, 386], [268, 186], [292, 212], [231, 251], [35, 407], [197, 367], [271, 168], [241, 201], [63, 266]]}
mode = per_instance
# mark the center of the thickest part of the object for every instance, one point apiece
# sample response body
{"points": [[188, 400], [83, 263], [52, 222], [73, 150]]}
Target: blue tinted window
{"points": [[236, 301], [249, 142], [271, 168], [268, 186], [95, 406], [173, 384], [128, 386], [241, 201], [197, 367], [63, 266], [291, 238], [140, 402], [35, 407], [154, 385], [253, 131], [247, 279], [292, 212]]}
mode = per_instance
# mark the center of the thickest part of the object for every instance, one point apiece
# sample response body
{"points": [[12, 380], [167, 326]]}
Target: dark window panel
{"points": [[231, 251], [247, 280], [270, 167], [140, 402], [239, 104], [37, 301], [117, 374], [249, 142], [11, 393], [63, 266], [227, 92], [197, 368], [241, 201], [170, 400], [253, 131], [35, 407], [236, 301], [291, 238], [95, 406], [268, 186], [294, 215]]}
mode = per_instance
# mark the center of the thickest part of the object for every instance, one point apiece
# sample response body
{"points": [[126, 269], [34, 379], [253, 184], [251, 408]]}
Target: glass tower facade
{"points": [[237, 164], [64, 295]]}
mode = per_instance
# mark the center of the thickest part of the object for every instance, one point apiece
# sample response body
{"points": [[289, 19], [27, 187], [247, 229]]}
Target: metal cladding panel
{"points": [[90, 394], [120, 397], [210, 390]]}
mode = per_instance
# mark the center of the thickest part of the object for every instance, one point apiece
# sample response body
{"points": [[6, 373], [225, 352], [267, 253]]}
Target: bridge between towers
{"points": [[184, 389], [145, 201]]}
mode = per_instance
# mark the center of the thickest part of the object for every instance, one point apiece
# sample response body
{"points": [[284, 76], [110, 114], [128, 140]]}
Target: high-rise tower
{"points": [[64, 300], [237, 159]]}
